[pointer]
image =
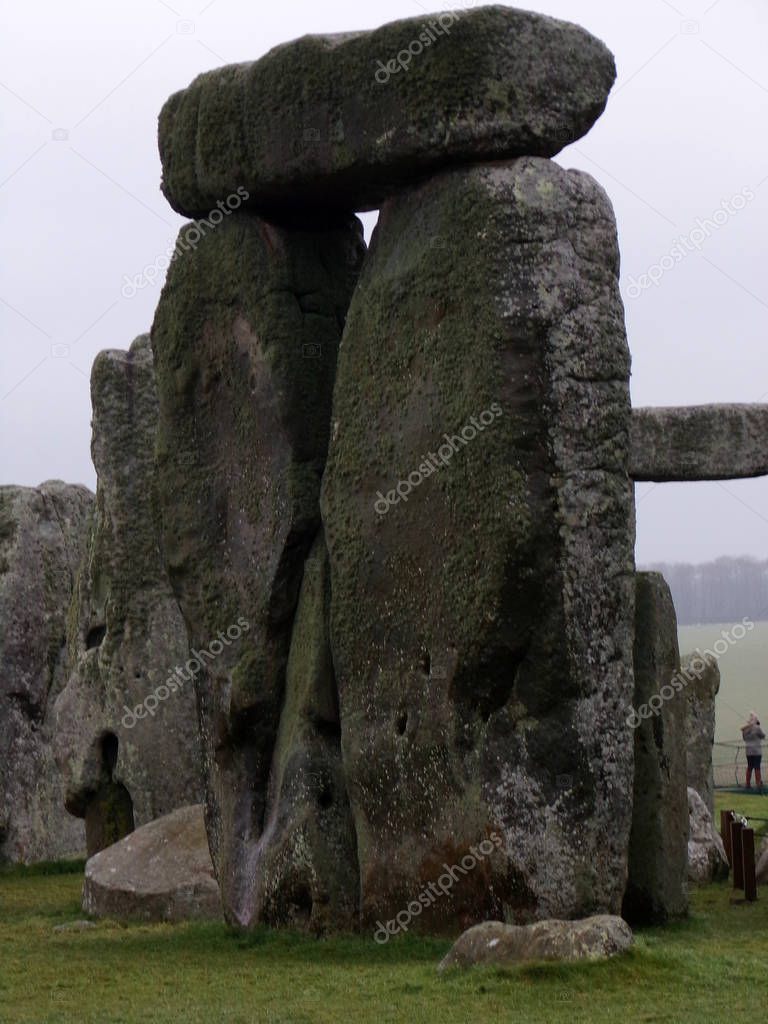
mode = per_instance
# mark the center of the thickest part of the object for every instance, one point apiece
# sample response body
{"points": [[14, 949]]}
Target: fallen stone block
{"points": [[160, 872], [501, 945]]}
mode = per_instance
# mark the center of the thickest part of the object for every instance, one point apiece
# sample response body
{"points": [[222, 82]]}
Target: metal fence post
{"points": [[737, 862], [748, 863]]}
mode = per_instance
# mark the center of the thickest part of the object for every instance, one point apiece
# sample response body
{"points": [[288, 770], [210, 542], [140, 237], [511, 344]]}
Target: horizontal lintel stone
{"points": [[699, 442]]}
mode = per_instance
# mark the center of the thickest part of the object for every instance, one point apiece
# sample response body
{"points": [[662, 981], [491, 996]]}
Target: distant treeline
{"points": [[723, 591]]}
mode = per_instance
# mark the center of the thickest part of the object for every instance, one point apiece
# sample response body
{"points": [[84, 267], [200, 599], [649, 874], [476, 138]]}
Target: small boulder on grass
{"points": [[593, 938], [160, 872]]}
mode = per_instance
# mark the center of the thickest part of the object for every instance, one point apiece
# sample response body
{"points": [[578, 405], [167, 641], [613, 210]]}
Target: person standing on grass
{"points": [[753, 736]]}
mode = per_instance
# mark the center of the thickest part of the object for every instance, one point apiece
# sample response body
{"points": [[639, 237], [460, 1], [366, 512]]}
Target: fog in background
{"points": [[81, 85]]}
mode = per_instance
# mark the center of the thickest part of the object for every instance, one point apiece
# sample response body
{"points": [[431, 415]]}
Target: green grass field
{"points": [[749, 805], [744, 672], [708, 969]]}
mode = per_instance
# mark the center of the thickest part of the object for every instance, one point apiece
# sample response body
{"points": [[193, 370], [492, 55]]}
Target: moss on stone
{"points": [[246, 337], [310, 124], [479, 623]]}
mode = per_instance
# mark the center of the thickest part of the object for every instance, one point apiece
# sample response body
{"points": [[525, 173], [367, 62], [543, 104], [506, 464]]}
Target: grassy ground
{"points": [[749, 805], [707, 969]]}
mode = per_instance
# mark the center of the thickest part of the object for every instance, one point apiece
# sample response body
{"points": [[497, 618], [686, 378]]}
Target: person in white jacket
{"points": [[753, 736]]}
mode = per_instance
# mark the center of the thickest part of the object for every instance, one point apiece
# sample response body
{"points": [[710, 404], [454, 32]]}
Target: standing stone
{"points": [[702, 678], [308, 870], [482, 608], [656, 886], [245, 339], [345, 121], [43, 532], [126, 633]]}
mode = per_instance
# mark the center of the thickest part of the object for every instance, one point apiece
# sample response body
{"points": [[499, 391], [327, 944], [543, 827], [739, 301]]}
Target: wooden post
{"points": [[748, 862], [737, 862], [726, 817]]}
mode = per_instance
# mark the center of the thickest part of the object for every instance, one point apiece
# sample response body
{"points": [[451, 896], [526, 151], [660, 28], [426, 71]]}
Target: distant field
{"points": [[744, 672]]}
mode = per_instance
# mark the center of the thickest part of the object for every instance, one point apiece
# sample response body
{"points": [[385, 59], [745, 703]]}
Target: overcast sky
{"points": [[80, 208]]}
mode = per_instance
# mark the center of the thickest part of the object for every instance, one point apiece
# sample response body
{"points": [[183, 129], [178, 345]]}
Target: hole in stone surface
{"points": [[109, 811], [95, 637], [325, 796], [426, 663], [108, 817], [302, 903], [329, 730], [25, 705], [402, 723], [494, 681], [109, 748]]}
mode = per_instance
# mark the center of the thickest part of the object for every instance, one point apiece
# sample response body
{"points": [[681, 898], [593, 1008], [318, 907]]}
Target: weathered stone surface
{"points": [[126, 633], [656, 884], [481, 627], [702, 684], [593, 938], [160, 872], [699, 442], [43, 531], [246, 338], [307, 873], [108, 816], [707, 861], [318, 122]]}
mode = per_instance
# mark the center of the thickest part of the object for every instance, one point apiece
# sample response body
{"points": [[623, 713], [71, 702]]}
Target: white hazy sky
{"points": [[81, 84]]}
